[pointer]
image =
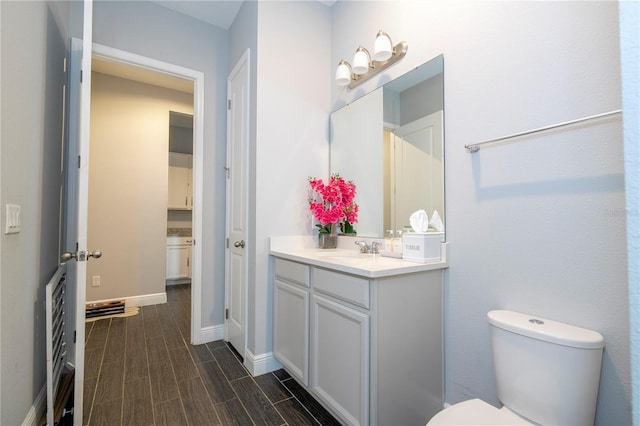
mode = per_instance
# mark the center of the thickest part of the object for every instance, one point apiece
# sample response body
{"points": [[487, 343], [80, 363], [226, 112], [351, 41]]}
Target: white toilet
{"points": [[547, 373]]}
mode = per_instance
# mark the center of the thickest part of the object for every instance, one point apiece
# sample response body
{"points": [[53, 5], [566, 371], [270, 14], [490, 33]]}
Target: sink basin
{"points": [[349, 257], [348, 254]]}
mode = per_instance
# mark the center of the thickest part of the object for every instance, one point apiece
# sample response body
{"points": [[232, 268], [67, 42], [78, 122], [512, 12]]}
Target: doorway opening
{"points": [[180, 199], [142, 70]]}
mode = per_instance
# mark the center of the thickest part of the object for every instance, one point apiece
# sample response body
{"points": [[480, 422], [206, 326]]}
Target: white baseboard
{"points": [[36, 411], [260, 364], [142, 300], [209, 334]]}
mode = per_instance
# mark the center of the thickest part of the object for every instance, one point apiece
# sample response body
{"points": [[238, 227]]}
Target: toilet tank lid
{"points": [[546, 330]]}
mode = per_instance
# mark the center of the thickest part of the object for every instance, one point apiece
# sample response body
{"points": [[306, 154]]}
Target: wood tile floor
{"points": [[141, 370]]}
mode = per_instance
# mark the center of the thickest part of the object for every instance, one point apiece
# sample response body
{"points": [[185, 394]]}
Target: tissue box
{"points": [[422, 247]]}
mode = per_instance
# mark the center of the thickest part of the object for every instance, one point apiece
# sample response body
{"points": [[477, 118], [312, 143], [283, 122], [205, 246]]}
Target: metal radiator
{"points": [[56, 345]]}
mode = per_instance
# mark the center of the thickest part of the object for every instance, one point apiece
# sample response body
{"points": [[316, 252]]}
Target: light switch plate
{"points": [[12, 219]]}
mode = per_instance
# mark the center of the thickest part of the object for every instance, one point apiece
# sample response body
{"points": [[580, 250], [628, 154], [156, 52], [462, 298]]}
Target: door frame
{"points": [[244, 59], [131, 59], [79, 128]]}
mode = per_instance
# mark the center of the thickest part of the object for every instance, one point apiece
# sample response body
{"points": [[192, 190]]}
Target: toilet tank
{"points": [[546, 371]]}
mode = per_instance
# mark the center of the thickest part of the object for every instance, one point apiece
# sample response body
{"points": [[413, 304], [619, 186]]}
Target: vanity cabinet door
{"points": [[180, 191], [178, 258], [340, 359], [178, 262], [290, 331]]}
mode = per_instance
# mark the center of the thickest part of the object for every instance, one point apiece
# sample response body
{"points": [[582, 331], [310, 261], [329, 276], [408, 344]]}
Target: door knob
{"points": [[239, 244], [95, 254], [67, 255]]}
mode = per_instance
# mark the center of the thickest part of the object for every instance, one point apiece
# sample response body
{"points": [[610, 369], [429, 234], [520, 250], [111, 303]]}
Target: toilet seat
{"points": [[476, 412]]}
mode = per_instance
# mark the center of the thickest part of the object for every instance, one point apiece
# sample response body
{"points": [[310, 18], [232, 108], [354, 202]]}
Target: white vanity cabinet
{"points": [[178, 258], [373, 346], [291, 318], [180, 182]]}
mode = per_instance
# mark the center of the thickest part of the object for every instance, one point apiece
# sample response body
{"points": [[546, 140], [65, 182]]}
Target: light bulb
{"points": [[382, 49], [343, 74], [361, 61]]}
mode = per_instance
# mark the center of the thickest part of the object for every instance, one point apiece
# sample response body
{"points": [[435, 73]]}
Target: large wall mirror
{"points": [[390, 143]]}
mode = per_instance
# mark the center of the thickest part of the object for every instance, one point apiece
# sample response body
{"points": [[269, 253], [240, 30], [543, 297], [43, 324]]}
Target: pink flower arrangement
{"points": [[335, 204]]}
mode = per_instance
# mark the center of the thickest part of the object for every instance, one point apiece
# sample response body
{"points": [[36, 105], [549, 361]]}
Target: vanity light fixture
{"points": [[366, 65]]}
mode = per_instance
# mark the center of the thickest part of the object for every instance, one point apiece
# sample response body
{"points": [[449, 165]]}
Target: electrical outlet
{"points": [[95, 281]]}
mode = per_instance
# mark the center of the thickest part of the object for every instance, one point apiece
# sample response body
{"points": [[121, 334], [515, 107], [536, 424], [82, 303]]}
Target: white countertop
{"points": [[349, 260]]}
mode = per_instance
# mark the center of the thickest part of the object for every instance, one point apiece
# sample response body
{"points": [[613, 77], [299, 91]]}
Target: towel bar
{"points": [[475, 147]]}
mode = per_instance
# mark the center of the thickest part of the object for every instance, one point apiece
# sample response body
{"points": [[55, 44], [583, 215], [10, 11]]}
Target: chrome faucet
{"points": [[366, 248]]}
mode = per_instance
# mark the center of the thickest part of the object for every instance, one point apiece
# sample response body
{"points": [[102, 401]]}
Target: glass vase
{"points": [[328, 240]]}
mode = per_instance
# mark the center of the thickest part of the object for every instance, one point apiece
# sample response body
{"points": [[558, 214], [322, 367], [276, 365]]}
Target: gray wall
{"points": [[289, 110], [32, 79], [538, 225], [421, 100], [147, 29], [292, 123], [181, 139]]}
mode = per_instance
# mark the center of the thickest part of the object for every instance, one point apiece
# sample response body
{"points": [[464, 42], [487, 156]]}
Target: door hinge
{"points": [[74, 336], [79, 161], [227, 243], [80, 76], [64, 64], [226, 313], [229, 104]]}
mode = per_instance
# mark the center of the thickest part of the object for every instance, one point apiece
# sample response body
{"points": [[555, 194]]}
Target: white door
{"points": [[417, 154], [76, 197], [237, 153]]}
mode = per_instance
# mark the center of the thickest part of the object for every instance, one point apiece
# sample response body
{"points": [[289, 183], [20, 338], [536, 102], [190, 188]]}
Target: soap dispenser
{"points": [[397, 242], [388, 241]]}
